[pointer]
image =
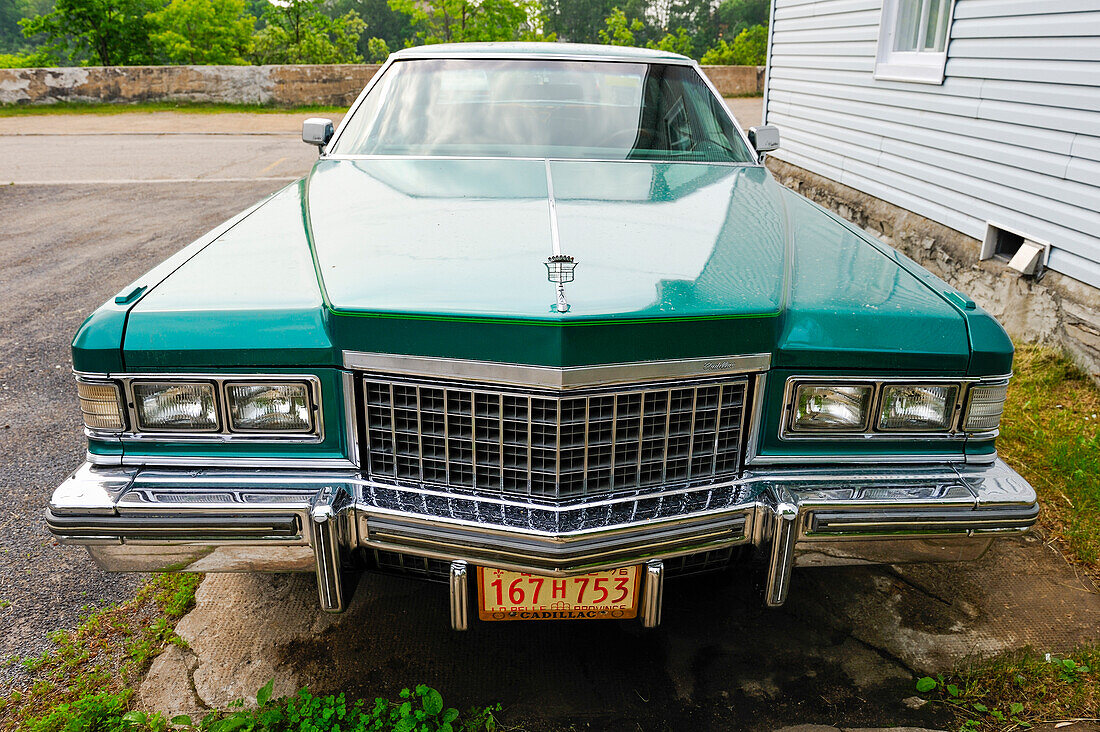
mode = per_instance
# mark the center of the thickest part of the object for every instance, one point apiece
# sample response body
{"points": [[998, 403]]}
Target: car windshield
{"points": [[543, 109]]}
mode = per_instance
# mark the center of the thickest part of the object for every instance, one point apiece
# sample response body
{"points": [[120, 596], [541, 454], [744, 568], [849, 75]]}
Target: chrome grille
{"points": [[549, 445]]}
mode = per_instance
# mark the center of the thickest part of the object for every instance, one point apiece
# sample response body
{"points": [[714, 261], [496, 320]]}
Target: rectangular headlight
{"points": [[917, 407], [831, 408], [269, 407], [984, 407], [175, 407], [101, 405]]}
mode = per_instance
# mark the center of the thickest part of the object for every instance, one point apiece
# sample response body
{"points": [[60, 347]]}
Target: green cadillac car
{"points": [[540, 326]]}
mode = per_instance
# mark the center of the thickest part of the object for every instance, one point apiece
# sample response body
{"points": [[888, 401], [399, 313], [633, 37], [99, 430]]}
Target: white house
{"points": [[977, 121]]}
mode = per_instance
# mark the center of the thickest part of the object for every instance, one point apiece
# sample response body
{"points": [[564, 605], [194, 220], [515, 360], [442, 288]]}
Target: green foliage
{"points": [[455, 21], [27, 60], [377, 51], [202, 31], [749, 48], [300, 33], [735, 16], [101, 711], [1018, 689], [679, 43], [83, 684], [1051, 434], [618, 31], [578, 21], [120, 32], [104, 32], [418, 710], [382, 21]]}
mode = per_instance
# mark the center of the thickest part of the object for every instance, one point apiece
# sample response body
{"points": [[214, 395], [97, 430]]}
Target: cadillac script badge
{"points": [[559, 269]]}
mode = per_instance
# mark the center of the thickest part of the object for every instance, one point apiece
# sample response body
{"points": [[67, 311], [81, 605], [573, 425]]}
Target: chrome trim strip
{"points": [[460, 596], [756, 418], [552, 204], [784, 535], [351, 416], [549, 377], [222, 462], [653, 593], [325, 513], [924, 459], [650, 161]]}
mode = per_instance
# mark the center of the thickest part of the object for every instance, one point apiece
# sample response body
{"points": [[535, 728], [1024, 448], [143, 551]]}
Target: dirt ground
{"points": [[96, 200]]}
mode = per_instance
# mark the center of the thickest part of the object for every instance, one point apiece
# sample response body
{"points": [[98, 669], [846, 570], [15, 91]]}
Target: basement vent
{"points": [[1023, 253]]}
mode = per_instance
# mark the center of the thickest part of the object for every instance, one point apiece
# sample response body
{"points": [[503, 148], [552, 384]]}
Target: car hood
{"points": [[471, 237], [446, 257]]}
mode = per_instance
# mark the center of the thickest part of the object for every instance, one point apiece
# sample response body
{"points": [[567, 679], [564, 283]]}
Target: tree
{"points": [[618, 31], [385, 23], [680, 43], [297, 32], [202, 31], [377, 51], [736, 15], [107, 32], [451, 21], [578, 21], [749, 48]]}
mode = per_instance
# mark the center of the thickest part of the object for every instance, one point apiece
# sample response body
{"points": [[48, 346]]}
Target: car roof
{"points": [[585, 51]]}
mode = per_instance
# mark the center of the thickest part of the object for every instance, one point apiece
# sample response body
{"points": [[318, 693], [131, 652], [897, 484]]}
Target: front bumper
{"points": [[145, 519]]}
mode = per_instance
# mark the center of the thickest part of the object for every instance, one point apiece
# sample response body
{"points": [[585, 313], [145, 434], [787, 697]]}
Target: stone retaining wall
{"points": [[284, 86], [1053, 310]]}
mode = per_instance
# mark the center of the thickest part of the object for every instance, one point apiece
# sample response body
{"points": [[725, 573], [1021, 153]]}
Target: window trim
{"points": [[922, 67]]}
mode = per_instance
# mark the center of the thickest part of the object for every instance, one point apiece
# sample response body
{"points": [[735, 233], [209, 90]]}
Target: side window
{"points": [[912, 41]]}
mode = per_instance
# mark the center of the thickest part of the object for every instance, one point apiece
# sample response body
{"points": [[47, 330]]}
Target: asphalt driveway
{"points": [[96, 201]]}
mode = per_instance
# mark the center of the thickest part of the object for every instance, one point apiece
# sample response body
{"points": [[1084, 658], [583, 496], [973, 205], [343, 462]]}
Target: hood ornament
{"points": [[559, 269]]}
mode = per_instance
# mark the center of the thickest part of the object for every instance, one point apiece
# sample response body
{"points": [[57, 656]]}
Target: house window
{"points": [[912, 42]]}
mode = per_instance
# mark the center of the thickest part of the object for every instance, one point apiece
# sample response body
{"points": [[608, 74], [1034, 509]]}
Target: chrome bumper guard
{"points": [[145, 519]]}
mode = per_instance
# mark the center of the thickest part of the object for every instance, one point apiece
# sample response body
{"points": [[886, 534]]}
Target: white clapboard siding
{"points": [[1011, 136]]}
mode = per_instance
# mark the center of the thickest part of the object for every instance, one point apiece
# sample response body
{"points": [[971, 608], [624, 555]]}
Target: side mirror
{"points": [[764, 138], [317, 131]]}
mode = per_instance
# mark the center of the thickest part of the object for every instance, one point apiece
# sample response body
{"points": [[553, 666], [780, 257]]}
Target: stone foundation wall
{"points": [[1053, 310], [284, 86]]}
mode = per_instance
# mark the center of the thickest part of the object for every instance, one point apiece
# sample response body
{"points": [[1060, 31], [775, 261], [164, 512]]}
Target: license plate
{"points": [[506, 595]]}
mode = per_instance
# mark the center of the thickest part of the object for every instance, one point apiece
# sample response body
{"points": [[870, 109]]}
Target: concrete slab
{"points": [[749, 111], [844, 651]]}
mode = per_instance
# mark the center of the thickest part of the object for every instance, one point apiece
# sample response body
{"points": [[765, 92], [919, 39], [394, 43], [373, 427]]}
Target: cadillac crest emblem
{"points": [[559, 269]]}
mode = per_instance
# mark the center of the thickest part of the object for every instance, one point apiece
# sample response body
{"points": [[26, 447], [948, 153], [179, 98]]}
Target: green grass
{"points": [[105, 656], [24, 110], [1020, 689], [1050, 433], [86, 684]]}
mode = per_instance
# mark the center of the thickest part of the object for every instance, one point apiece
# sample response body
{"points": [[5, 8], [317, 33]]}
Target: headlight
{"points": [[917, 407], [984, 407], [269, 408], [183, 407], [831, 408], [101, 405]]}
